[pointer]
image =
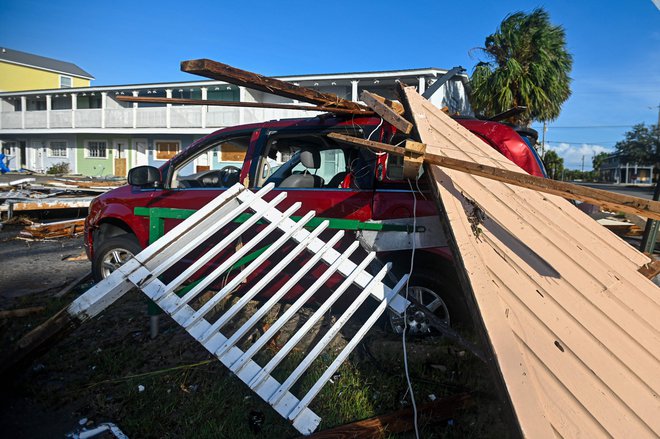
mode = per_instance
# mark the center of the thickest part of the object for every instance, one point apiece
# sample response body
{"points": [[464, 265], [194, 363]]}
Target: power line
{"points": [[582, 143], [591, 126]]}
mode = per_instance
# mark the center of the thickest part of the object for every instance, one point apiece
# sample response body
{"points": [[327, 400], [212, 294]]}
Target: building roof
{"points": [[41, 62], [391, 74]]}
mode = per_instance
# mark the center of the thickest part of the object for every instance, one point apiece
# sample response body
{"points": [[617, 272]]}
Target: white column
{"points": [[23, 110], [241, 110], [49, 105], [422, 85], [354, 91], [205, 94], [135, 108], [168, 110], [104, 104], [74, 107]]}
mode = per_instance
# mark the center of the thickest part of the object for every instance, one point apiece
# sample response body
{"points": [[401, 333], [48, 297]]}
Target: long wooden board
{"points": [[223, 72], [213, 103], [605, 199], [573, 328]]}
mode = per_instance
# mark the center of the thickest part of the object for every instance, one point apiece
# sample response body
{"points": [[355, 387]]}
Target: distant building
{"points": [[25, 71], [614, 169], [98, 135]]}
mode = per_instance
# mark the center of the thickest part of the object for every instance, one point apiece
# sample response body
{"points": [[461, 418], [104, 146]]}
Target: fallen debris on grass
{"points": [[22, 312], [203, 323], [401, 421]]}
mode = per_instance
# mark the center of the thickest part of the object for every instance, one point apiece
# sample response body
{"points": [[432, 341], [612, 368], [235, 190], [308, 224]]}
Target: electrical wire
{"points": [[405, 315]]}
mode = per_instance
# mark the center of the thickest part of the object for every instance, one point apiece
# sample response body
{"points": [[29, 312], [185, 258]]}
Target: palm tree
{"points": [[527, 65], [554, 164]]}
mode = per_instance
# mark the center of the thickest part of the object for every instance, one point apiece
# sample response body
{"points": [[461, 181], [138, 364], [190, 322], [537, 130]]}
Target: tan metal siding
{"points": [[574, 327]]}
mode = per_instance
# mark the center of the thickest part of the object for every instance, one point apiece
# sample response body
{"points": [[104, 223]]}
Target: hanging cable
{"points": [[405, 314]]}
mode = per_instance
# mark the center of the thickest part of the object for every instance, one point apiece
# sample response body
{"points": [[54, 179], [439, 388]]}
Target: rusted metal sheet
{"points": [[573, 327]]}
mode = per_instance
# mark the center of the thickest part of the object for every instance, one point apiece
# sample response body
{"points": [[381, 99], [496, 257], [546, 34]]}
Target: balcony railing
{"points": [[150, 117]]}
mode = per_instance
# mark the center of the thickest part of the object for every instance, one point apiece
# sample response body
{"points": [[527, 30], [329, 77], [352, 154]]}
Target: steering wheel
{"points": [[229, 175]]}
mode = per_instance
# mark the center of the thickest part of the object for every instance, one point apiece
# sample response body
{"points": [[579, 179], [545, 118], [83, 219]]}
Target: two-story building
{"points": [[98, 135], [26, 71]]}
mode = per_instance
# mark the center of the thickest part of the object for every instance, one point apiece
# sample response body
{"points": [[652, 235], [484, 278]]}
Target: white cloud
{"points": [[572, 154]]}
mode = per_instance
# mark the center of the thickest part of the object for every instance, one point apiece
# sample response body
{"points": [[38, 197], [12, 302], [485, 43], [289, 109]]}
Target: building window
{"points": [[66, 81], [97, 149], [57, 148], [167, 150]]}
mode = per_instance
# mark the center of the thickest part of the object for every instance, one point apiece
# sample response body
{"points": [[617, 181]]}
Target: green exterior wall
{"points": [[95, 167]]}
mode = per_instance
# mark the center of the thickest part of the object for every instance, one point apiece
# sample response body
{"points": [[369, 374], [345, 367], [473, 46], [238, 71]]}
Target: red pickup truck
{"points": [[337, 181]]}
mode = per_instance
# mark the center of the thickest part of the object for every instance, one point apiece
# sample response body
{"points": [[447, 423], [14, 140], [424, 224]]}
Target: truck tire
{"points": [[441, 293], [112, 253]]}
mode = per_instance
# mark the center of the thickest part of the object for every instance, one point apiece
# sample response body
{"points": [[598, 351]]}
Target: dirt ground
{"points": [[110, 370]]}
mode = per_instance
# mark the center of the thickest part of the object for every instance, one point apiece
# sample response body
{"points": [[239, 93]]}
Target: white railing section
{"points": [[60, 119], [200, 317]]}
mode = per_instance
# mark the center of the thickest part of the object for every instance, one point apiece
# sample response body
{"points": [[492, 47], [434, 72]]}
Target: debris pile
{"points": [[569, 321], [27, 196]]}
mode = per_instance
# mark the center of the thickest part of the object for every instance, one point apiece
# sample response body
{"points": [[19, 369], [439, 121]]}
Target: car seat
{"points": [[310, 159]]}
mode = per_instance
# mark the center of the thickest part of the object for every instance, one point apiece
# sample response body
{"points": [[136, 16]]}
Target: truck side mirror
{"points": [[144, 176]]}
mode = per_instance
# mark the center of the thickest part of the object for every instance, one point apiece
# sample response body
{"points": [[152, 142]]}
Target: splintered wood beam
{"points": [[387, 112], [335, 110], [399, 421], [608, 200], [223, 72], [650, 270]]}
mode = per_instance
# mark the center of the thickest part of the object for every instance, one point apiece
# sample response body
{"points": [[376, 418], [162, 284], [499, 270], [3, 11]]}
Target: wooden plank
{"points": [[223, 72], [605, 199], [379, 105], [399, 421], [22, 312], [394, 105], [650, 270], [571, 323], [365, 112]]}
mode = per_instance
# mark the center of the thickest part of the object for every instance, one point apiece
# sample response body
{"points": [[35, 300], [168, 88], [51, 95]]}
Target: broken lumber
{"points": [[22, 312], [84, 278], [18, 182], [605, 199], [244, 104], [59, 229], [385, 109], [571, 326], [650, 270], [223, 72], [399, 421]]}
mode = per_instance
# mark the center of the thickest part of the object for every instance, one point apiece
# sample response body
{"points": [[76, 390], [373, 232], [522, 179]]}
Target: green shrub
{"points": [[59, 168]]}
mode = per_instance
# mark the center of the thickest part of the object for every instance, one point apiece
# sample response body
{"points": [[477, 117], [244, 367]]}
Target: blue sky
{"points": [[615, 44]]}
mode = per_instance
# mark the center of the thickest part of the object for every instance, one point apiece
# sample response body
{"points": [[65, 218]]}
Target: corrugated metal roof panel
{"points": [[573, 326]]}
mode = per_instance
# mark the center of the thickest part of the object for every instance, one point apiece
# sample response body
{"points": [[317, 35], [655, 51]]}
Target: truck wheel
{"points": [[437, 292], [112, 254]]}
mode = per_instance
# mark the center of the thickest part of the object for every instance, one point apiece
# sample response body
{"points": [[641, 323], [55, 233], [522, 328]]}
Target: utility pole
{"points": [[583, 163], [649, 238], [545, 129]]}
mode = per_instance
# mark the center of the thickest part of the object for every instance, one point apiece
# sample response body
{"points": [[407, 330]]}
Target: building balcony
{"points": [[193, 117]]}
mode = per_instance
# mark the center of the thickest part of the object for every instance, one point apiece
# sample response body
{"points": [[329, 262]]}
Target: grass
{"points": [[98, 370]]}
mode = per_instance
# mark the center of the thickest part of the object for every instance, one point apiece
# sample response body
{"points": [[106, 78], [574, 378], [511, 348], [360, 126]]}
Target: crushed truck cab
{"points": [[358, 190]]}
